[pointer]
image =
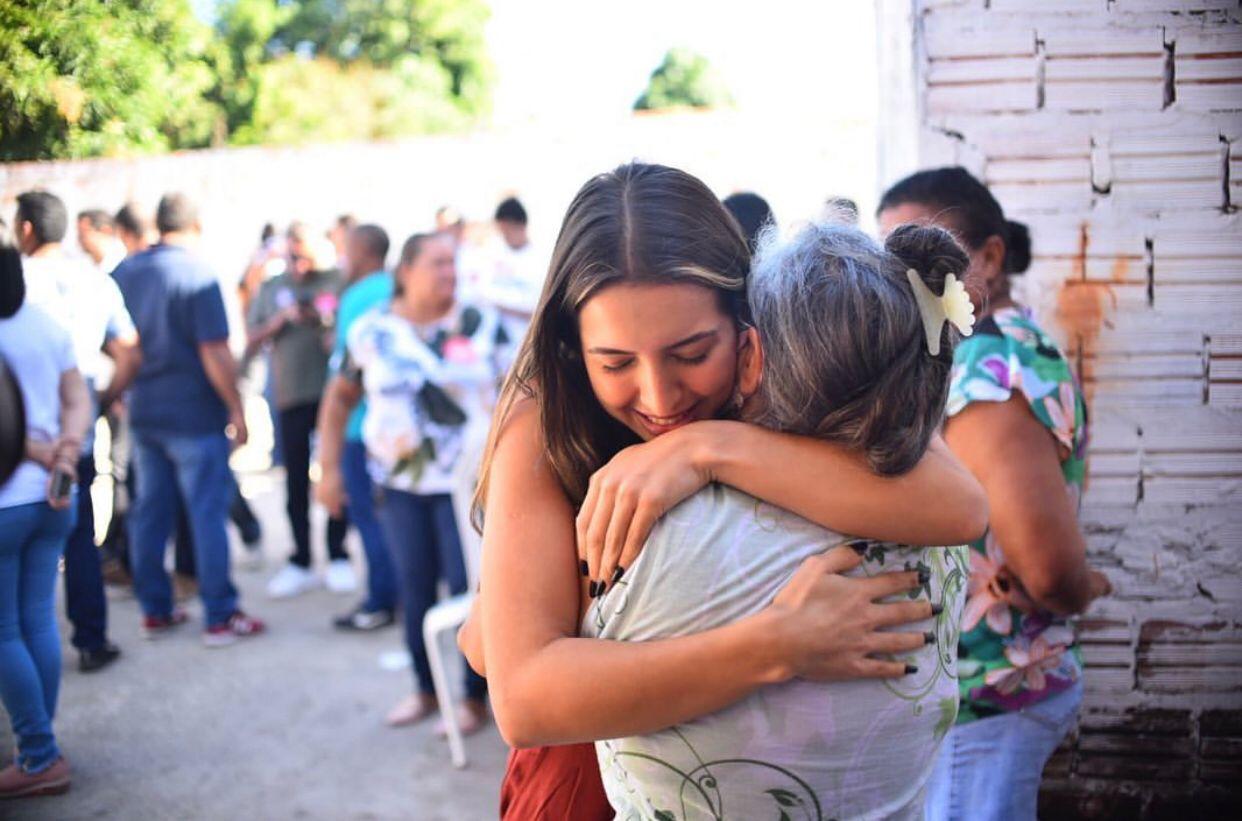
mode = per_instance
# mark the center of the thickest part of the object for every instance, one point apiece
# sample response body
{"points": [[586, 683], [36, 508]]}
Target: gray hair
{"points": [[845, 356], [176, 212]]}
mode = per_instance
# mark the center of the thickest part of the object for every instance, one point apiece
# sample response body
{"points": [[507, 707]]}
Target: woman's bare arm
{"points": [[75, 409], [1033, 517], [339, 400], [75, 420], [938, 502], [470, 638], [549, 687]]}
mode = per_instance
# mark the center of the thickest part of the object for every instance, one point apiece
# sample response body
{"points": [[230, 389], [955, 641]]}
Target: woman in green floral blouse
{"points": [[1017, 419]]}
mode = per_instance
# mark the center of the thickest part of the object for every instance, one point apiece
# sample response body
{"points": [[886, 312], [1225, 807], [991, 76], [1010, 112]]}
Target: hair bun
{"points": [[1017, 247], [930, 251]]}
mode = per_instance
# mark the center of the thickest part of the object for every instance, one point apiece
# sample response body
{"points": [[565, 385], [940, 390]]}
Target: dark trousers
{"points": [[381, 576], [116, 540], [297, 424], [173, 467], [421, 532], [240, 513], [85, 603]]}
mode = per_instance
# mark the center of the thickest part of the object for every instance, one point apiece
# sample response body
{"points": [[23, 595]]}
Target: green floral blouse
{"points": [[1014, 655]]}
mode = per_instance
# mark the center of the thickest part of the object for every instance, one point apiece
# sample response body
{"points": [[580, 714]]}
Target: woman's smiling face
{"points": [[658, 356]]}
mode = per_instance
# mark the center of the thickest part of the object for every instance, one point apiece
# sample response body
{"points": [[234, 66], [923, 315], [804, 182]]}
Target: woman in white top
{"points": [[36, 514], [844, 357], [426, 365]]}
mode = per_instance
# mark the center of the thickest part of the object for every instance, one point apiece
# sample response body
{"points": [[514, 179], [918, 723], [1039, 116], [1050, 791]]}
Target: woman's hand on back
{"points": [[628, 496], [830, 626]]}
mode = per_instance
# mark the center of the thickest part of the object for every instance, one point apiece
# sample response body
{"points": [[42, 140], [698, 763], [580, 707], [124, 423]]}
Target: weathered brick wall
{"points": [[1112, 128]]}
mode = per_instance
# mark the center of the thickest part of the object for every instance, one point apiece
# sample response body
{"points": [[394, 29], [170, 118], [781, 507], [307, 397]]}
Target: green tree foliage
{"points": [[299, 100], [90, 78], [444, 35], [683, 79], [245, 31], [82, 78], [350, 69]]}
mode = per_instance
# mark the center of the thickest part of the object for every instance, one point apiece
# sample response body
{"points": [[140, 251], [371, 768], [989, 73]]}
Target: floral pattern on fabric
{"points": [[424, 387], [1012, 654]]}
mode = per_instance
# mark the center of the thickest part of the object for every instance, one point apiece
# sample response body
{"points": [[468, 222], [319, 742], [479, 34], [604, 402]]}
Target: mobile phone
{"points": [[62, 484]]}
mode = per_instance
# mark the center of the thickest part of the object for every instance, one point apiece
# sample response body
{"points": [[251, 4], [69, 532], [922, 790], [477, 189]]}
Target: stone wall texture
{"points": [[1112, 128]]}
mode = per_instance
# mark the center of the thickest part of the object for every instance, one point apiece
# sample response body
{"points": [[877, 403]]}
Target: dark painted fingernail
{"points": [[617, 574], [584, 568], [937, 609], [593, 589], [911, 669], [602, 587], [924, 575], [929, 637], [859, 546]]}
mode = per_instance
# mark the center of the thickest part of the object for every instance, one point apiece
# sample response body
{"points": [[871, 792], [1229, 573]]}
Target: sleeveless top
{"points": [[800, 749], [1012, 657]]}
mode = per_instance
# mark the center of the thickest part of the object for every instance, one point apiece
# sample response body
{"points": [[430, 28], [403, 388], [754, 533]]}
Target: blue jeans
{"points": [[381, 576], [32, 538], [197, 467], [991, 768], [85, 603], [421, 532]]}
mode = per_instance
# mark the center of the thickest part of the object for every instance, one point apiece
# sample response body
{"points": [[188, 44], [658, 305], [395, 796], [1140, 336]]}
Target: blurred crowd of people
{"points": [[330, 327]]}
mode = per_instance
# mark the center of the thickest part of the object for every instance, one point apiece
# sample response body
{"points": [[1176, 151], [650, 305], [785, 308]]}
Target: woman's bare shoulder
{"points": [[520, 459], [525, 502], [520, 431]]}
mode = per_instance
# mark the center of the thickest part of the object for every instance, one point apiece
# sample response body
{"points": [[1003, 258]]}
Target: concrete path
{"points": [[284, 726]]}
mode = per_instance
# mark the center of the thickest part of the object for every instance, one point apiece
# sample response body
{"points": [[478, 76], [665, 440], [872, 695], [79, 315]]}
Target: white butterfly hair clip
{"points": [[953, 306]]}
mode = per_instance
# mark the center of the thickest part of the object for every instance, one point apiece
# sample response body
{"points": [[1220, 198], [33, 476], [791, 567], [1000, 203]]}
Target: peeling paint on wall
{"points": [[1110, 128]]}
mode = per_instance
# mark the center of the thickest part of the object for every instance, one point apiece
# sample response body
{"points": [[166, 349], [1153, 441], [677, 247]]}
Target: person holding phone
{"points": [[36, 514], [295, 313]]}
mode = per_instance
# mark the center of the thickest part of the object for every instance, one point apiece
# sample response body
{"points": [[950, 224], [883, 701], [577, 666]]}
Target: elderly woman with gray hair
{"points": [[855, 348]]}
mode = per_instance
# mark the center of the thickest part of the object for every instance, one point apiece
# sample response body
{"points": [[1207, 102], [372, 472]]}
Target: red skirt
{"points": [[554, 784]]}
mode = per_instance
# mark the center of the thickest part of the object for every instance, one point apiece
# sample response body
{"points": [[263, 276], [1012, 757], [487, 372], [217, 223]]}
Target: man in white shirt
{"points": [[89, 306], [97, 237], [509, 275]]}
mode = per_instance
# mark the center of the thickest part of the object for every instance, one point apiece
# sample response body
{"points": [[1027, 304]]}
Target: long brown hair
{"points": [[637, 223]]}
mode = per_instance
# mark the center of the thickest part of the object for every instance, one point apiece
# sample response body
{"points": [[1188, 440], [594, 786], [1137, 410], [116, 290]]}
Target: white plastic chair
{"points": [[449, 615]]}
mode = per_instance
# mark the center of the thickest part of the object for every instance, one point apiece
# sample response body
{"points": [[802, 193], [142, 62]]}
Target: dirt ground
{"points": [[283, 726]]}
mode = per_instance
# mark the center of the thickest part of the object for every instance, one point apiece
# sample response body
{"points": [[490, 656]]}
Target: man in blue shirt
{"points": [[366, 248], [183, 398]]}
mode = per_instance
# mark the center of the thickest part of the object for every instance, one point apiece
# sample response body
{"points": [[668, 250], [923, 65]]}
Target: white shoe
{"points": [[250, 561], [340, 576], [292, 580]]}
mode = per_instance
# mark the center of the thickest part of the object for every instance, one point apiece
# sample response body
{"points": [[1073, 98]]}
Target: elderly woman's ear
{"points": [[749, 362]]}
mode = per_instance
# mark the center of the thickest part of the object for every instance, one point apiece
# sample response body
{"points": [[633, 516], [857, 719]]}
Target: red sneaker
{"points": [[238, 626], [156, 626]]}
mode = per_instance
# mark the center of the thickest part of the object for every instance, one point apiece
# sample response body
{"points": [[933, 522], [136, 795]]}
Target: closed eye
{"points": [[617, 366]]}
